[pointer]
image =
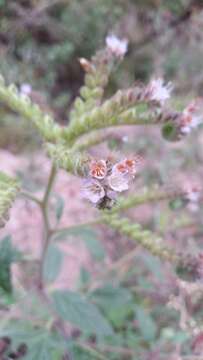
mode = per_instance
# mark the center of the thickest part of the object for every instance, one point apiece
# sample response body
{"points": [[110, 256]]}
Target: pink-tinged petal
{"points": [[93, 191], [98, 169], [118, 47], [118, 182], [128, 166]]}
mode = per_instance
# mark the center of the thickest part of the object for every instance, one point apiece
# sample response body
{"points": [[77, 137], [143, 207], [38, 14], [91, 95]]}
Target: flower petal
{"points": [[93, 191], [118, 182], [118, 47]]}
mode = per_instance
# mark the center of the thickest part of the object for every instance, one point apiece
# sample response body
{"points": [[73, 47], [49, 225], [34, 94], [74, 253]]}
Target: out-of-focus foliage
{"points": [[40, 40]]}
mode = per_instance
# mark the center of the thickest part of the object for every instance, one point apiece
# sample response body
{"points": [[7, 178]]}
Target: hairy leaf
{"points": [[52, 264], [74, 308]]}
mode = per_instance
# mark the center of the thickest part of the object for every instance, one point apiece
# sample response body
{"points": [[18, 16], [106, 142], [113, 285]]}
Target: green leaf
{"points": [[111, 297], [146, 324], [90, 238], [52, 264], [95, 247], [8, 255], [41, 344], [59, 207], [154, 265], [84, 278], [74, 308], [8, 191], [116, 303]]}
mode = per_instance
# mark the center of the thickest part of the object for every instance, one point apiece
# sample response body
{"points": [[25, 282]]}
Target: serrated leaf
{"points": [[52, 264], [116, 302], [75, 308], [8, 191]]}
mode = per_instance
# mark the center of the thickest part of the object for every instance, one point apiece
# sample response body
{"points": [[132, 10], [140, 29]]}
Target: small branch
{"points": [[31, 197], [107, 349], [75, 227], [148, 195]]}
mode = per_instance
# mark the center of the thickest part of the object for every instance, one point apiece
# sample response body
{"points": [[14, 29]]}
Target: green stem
{"points": [[46, 228], [31, 197], [75, 227]]}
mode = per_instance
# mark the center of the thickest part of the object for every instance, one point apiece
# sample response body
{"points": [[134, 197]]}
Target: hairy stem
{"points": [[47, 227]]}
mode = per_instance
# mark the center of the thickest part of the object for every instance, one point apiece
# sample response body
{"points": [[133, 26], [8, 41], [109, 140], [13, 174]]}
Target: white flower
{"points": [[26, 89], [192, 117], [157, 91], [93, 191], [118, 182], [193, 197], [118, 47], [98, 169]]}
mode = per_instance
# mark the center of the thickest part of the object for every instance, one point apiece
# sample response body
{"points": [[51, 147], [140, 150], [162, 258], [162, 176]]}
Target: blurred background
{"points": [[41, 40], [40, 43]]}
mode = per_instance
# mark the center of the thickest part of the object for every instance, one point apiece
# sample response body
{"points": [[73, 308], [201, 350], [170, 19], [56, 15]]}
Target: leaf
{"points": [[89, 236], [41, 344], [84, 278], [8, 255], [146, 324], [116, 302], [59, 207], [111, 297], [8, 191], [52, 264], [95, 247], [74, 308], [154, 265]]}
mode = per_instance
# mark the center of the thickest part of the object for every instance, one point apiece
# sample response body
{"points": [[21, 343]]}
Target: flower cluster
{"points": [[192, 116], [106, 180], [157, 91], [117, 47]]}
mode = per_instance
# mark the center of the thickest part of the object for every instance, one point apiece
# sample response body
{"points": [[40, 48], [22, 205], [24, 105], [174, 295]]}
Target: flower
{"points": [[128, 166], [157, 91], [98, 169], [93, 191], [118, 182], [25, 89], [193, 197], [117, 47], [192, 117]]}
